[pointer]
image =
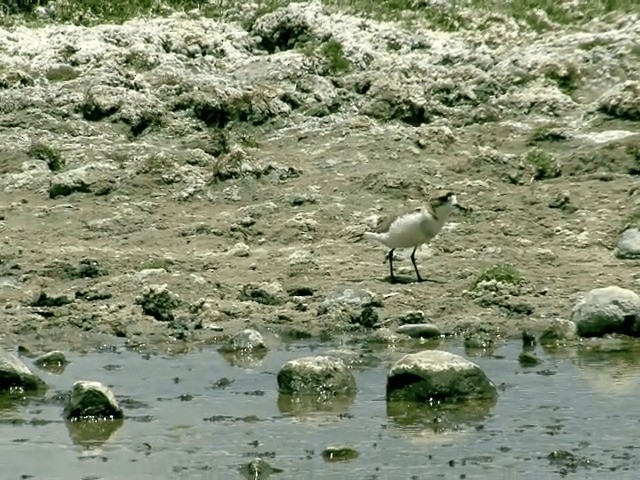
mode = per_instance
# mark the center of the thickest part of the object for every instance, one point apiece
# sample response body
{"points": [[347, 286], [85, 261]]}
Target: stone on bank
{"points": [[435, 375], [607, 310], [247, 340], [629, 244]]}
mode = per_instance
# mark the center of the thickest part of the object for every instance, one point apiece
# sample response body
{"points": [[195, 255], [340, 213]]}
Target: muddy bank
{"points": [[176, 180]]}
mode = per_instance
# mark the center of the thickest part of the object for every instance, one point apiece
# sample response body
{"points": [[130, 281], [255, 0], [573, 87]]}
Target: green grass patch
{"points": [[91, 12], [500, 273], [332, 52]]}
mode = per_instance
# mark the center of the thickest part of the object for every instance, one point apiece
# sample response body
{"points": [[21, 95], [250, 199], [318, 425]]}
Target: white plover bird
{"points": [[413, 228]]}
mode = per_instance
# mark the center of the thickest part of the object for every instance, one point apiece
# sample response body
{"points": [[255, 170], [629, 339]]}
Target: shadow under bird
{"points": [[413, 228]]}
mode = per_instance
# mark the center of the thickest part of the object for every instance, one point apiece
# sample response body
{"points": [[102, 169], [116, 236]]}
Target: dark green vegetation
{"points": [[449, 17]]}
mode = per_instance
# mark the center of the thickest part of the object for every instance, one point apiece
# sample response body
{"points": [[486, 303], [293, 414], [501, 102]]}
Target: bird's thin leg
{"points": [[390, 257], [413, 260]]}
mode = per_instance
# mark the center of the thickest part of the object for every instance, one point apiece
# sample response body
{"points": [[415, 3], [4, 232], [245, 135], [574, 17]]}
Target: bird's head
{"points": [[443, 203]]}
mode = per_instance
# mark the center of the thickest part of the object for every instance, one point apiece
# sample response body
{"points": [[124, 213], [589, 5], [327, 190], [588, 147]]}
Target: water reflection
{"points": [[437, 418], [311, 405], [11, 403], [53, 368], [244, 359], [610, 365], [93, 434]]}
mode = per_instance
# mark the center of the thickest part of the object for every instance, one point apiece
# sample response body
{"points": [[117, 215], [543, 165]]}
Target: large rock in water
{"points": [[322, 375], [91, 401], [435, 375], [15, 375], [607, 310]]}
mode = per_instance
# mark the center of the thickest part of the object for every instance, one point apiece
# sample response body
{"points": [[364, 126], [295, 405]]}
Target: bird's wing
{"points": [[386, 222]]}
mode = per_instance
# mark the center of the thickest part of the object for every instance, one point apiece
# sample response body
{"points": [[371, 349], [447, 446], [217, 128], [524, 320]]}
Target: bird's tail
{"points": [[363, 236]]}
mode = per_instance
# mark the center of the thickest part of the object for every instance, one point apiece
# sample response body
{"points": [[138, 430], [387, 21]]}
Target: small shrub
{"points": [[333, 52], [542, 163], [86, 268], [634, 151], [499, 273], [48, 154], [633, 219], [155, 164]]}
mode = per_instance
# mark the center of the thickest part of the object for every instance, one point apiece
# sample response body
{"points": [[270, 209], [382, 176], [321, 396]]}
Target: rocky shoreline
{"points": [[172, 181]]}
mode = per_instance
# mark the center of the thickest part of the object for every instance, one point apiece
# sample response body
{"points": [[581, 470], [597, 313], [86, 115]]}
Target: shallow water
{"points": [[181, 425]]}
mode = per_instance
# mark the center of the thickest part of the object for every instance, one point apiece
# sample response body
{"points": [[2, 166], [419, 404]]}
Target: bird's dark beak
{"points": [[462, 208]]}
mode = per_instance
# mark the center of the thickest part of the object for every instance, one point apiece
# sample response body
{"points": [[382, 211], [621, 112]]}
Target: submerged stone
{"points": [[15, 375], [528, 359], [322, 375], [53, 361], [339, 453], [91, 401], [257, 469]]}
